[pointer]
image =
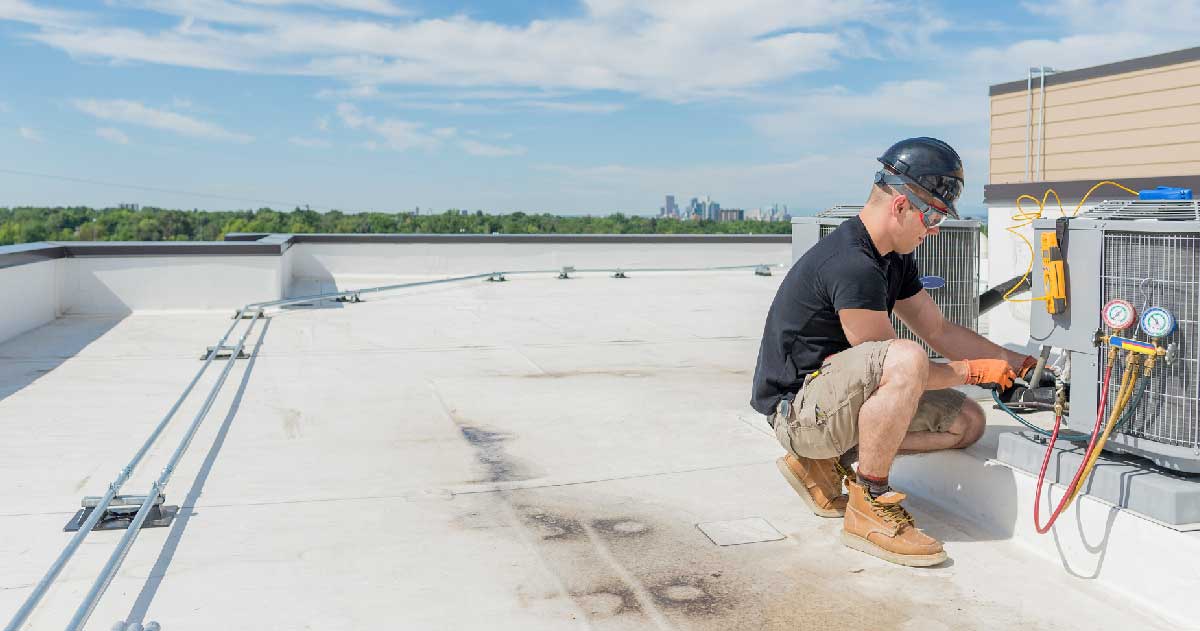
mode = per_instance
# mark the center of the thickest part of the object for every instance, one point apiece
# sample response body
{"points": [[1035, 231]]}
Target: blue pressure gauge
{"points": [[1158, 322]]}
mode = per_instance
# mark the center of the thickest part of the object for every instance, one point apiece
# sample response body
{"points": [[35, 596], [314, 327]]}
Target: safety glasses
{"points": [[931, 216]]}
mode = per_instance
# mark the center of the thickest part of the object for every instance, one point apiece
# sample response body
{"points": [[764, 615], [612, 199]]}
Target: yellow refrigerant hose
{"points": [[1128, 379], [1095, 446]]}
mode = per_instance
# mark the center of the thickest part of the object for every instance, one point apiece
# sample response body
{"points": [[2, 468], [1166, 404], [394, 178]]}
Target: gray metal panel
{"points": [[1074, 329], [1071, 191], [170, 248], [1133, 209], [26, 253], [540, 238], [842, 211], [805, 233]]}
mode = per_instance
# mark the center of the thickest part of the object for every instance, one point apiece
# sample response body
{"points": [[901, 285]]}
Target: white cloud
{"points": [[472, 101], [30, 134], [398, 134], [909, 104], [1093, 32], [323, 123], [574, 107], [482, 149], [378, 7], [135, 113], [357, 92], [402, 135], [113, 134], [311, 143], [21, 11], [662, 48]]}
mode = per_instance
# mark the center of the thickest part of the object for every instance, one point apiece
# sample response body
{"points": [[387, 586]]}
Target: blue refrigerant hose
{"points": [[1128, 413]]}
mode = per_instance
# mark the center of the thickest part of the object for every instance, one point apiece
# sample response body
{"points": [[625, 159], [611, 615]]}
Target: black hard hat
{"points": [[929, 164]]}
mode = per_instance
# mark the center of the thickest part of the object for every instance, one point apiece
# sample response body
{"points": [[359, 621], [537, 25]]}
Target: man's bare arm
{"points": [[951, 340], [865, 325]]}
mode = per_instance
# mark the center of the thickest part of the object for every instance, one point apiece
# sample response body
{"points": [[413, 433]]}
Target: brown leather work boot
{"points": [[881, 527], [817, 482]]}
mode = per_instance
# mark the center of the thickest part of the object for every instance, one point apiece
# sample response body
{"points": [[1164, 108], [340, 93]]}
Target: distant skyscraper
{"points": [[671, 210], [712, 210], [732, 214]]}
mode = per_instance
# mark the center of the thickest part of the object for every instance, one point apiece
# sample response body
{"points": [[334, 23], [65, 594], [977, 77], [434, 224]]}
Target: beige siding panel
{"points": [[1112, 141], [1183, 115], [1174, 97], [1124, 157], [1116, 159], [1103, 173], [1108, 87], [1148, 170]]}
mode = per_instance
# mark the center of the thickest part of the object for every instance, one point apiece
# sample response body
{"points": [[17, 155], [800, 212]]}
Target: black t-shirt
{"points": [[843, 270]]}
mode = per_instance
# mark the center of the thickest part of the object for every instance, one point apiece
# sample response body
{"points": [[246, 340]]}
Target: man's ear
{"points": [[898, 203]]}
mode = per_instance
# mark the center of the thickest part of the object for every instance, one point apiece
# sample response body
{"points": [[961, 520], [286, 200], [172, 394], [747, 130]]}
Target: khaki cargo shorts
{"points": [[822, 422]]}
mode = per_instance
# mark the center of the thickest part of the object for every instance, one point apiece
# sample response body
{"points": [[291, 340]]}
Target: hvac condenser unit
{"points": [[1148, 254], [952, 255]]}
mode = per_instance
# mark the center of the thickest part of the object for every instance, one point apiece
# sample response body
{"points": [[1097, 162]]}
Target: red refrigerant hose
{"points": [[1062, 504]]}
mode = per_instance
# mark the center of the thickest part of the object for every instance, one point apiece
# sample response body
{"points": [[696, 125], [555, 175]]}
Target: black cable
{"points": [[994, 296]]}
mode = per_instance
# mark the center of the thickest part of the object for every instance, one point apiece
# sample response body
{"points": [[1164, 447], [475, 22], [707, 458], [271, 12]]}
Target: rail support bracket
{"points": [[120, 513], [762, 270], [497, 277], [248, 315], [224, 352], [565, 274], [352, 298], [620, 274]]}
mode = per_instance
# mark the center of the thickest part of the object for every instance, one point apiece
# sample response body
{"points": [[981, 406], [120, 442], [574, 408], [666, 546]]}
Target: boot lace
{"points": [[842, 472], [893, 513]]}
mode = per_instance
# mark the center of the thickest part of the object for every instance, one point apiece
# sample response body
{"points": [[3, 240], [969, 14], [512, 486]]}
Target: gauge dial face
{"points": [[1119, 314], [1158, 322]]}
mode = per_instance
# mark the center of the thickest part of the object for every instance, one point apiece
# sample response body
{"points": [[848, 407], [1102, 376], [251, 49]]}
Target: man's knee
{"points": [[906, 364], [971, 423]]}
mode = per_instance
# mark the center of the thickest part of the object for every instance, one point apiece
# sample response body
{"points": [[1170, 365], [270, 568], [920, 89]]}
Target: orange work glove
{"points": [[990, 373]]}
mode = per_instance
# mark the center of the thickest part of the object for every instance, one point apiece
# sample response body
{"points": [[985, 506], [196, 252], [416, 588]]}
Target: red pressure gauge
{"points": [[1119, 314]]}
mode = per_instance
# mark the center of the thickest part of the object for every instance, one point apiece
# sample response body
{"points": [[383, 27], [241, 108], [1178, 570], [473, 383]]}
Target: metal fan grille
{"points": [[1162, 210], [1160, 270]]}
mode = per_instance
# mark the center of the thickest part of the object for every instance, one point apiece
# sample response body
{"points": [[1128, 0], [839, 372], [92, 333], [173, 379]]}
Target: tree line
{"points": [[30, 224]]}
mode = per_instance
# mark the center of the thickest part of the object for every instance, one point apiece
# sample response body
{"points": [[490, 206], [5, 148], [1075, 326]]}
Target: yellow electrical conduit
{"points": [[1026, 218]]}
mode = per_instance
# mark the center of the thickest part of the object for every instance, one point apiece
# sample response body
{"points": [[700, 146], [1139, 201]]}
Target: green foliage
{"points": [[26, 225]]}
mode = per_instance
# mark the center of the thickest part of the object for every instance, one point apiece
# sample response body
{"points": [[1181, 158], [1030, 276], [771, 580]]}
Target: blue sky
{"points": [[542, 106]]}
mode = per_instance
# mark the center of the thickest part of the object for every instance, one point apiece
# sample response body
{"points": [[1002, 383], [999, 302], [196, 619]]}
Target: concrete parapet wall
{"points": [[31, 296], [46, 280], [118, 285], [320, 261]]}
